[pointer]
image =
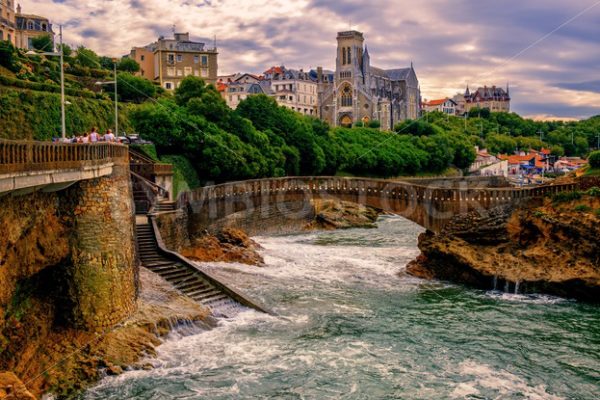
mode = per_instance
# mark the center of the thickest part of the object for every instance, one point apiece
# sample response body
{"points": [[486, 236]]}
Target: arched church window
{"points": [[343, 56], [30, 25], [349, 55], [346, 99]]}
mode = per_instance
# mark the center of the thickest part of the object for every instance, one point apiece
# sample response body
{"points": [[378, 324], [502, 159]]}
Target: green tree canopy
{"points": [[87, 58], [43, 43], [128, 65]]}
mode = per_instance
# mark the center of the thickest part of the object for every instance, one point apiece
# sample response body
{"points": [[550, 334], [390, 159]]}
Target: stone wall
{"points": [[104, 272], [173, 227], [86, 233]]}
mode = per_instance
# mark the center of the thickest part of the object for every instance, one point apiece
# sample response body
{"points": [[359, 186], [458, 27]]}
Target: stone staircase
{"points": [[185, 278]]}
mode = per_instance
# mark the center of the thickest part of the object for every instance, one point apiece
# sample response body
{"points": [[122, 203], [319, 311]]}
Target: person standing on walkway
{"points": [[94, 135], [109, 136]]}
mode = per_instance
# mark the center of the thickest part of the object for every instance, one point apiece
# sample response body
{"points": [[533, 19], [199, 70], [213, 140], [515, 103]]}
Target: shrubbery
{"points": [[594, 159]]}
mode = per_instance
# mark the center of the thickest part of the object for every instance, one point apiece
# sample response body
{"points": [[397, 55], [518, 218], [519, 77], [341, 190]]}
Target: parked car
{"points": [[133, 138]]}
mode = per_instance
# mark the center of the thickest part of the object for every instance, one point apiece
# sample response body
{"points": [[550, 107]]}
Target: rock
{"points": [[11, 388], [147, 367], [552, 248], [228, 245], [332, 214], [114, 370]]}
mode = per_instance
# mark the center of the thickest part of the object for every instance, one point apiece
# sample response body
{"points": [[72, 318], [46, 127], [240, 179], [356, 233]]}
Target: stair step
{"points": [[189, 283], [177, 274], [212, 301], [163, 268], [207, 296], [199, 291]]}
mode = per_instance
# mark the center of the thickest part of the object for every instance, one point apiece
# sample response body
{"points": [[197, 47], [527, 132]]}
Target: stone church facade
{"points": [[357, 91]]}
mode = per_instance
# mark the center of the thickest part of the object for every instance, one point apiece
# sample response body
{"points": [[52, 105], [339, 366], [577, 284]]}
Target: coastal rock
{"points": [[331, 214], [65, 361], [227, 245], [11, 388], [552, 248]]}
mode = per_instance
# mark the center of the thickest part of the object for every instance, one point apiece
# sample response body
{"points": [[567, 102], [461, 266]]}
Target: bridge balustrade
{"points": [[23, 156]]}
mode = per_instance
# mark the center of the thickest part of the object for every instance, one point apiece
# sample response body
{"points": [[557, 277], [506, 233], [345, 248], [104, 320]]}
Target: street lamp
{"points": [[62, 80], [116, 99]]}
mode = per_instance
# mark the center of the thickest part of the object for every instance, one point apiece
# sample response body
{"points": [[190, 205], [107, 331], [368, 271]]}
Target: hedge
{"points": [[47, 87]]}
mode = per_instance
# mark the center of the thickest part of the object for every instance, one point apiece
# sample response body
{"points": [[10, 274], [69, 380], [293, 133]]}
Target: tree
{"points": [[107, 63], [9, 57], [135, 88], [87, 58], [189, 88], [43, 43], [594, 159], [128, 65], [479, 112]]}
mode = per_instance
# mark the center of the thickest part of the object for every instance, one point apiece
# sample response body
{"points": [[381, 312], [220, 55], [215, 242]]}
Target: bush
{"points": [[593, 191], [582, 208], [566, 197], [185, 176], [594, 159]]}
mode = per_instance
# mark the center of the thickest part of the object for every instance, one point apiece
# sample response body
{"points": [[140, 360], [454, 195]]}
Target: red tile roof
{"points": [[433, 103]]}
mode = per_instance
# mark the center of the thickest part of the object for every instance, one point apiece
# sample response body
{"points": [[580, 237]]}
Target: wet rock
{"points": [[552, 248], [11, 388], [227, 245], [332, 214]]}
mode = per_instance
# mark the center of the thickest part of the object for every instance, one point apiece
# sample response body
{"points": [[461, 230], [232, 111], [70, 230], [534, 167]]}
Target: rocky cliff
{"points": [[550, 247]]}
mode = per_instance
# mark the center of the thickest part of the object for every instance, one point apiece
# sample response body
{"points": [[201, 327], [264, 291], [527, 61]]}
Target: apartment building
{"points": [[7, 21]]}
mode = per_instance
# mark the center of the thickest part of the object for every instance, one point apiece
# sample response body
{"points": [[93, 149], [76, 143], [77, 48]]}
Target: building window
{"points": [[168, 85], [179, 58], [187, 71], [196, 73], [349, 55], [205, 61], [204, 72], [196, 59], [344, 56], [29, 25], [346, 96], [171, 71], [171, 58], [179, 72], [142, 58], [44, 27]]}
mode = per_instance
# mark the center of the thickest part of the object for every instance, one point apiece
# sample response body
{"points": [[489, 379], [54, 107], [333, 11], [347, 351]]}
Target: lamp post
{"points": [[62, 80], [116, 98]]}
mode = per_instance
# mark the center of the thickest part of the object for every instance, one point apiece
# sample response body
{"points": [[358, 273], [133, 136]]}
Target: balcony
{"points": [[8, 23]]}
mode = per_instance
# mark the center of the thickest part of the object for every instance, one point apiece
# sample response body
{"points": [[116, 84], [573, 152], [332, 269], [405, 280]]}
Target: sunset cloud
{"points": [[546, 49]]}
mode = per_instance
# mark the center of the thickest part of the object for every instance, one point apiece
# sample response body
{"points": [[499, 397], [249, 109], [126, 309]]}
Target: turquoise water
{"points": [[351, 325]]}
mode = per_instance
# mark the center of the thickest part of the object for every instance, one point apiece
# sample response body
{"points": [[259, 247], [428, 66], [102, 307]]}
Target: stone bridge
{"points": [[431, 203], [27, 166]]}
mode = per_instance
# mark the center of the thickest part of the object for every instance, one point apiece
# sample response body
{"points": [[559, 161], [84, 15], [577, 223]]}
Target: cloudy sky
{"points": [[549, 50]]}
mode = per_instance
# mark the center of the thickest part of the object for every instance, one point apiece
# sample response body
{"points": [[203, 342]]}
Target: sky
{"points": [[547, 50]]}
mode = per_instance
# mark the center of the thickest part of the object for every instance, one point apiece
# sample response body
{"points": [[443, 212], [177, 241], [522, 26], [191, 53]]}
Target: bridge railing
{"points": [[23, 156]]}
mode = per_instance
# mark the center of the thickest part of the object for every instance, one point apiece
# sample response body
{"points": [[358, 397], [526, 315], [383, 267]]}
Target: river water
{"points": [[351, 325]]}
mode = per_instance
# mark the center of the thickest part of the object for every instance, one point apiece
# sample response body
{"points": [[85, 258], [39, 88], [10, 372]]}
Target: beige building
{"points": [[493, 98], [7, 21], [144, 56], [294, 89], [168, 61], [29, 27]]}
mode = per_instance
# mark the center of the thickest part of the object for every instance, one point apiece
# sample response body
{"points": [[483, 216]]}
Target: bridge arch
{"points": [[430, 205]]}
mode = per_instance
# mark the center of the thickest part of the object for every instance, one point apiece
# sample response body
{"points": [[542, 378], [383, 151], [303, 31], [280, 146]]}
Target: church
{"points": [[359, 92]]}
